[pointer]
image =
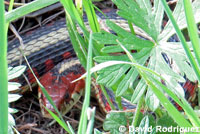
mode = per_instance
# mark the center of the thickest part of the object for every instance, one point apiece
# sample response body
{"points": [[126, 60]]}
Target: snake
{"points": [[53, 60]]}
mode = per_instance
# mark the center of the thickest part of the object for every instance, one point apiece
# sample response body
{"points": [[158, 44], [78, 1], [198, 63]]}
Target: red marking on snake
{"points": [[30, 32], [60, 88], [133, 51], [190, 88], [49, 64], [30, 75], [107, 107], [66, 55], [178, 107]]}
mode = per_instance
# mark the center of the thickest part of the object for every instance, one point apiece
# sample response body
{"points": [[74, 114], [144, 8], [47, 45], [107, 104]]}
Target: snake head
{"points": [[60, 88]]}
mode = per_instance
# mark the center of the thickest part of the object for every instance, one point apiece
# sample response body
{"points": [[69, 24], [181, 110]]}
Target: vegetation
{"points": [[121, 72], [12, 86]]}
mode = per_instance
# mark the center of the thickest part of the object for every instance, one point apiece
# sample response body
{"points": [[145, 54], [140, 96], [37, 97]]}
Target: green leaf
{"points": [[105, 38], [179, 16], [183, 103], [130, 78], [144, 125], [176, 52], [166, 121], [12, 86], [94, 24], [117, 72], [10, 129], [158, 13], [110, 75], [11, 120], [127, 81], [153, 51], [12, 110], [146, 5], [114, 120], [96, 131], [139, 90], [151, 100], [15, 72], [167, 104], [77, 41], [117, 29], [131, 11], [11, 124], [13, 97]]}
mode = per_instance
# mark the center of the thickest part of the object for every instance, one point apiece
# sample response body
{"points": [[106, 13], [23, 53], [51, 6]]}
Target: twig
{"points": [[22, 24], [15, 4]]}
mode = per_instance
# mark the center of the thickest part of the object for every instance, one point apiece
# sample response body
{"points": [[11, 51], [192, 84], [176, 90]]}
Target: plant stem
{"points": [[119, 102], [9, 9], [3, 72], [83, 121], [192, 29], [131, 27], [28, 8], [158, 112], [138, 110]]}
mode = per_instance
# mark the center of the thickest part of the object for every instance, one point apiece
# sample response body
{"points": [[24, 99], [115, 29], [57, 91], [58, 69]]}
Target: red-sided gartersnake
{"points": [[49, 45]]}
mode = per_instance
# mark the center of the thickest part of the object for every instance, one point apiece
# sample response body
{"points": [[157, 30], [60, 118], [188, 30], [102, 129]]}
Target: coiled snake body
{"points": [[49, 45]]}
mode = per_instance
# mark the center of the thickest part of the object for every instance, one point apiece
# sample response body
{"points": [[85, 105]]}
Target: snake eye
{"points": [[67, 96]]}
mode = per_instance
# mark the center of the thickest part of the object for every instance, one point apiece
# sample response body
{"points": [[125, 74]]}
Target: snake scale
{"points": [[46, 48]]}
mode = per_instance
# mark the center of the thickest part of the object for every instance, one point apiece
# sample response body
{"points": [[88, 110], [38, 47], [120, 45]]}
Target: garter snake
{"points": [[49, 45]]}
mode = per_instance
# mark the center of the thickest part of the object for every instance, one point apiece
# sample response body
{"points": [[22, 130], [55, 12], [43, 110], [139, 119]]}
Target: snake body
{"points": [[58, 83], [44, 48], [47, 46]]}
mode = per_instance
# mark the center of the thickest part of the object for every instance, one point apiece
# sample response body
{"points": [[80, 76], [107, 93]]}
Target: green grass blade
{"points": [[78, 43], [192, 29], [60, 122], [70, 127], [9, 9], [83, 121], [138, 110], [91, 120], [92, 18], [3, 72], [72, 12], [76, 40], [94, 25], [182, 39], [79, 6], [131, 27], [28, 8]]}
